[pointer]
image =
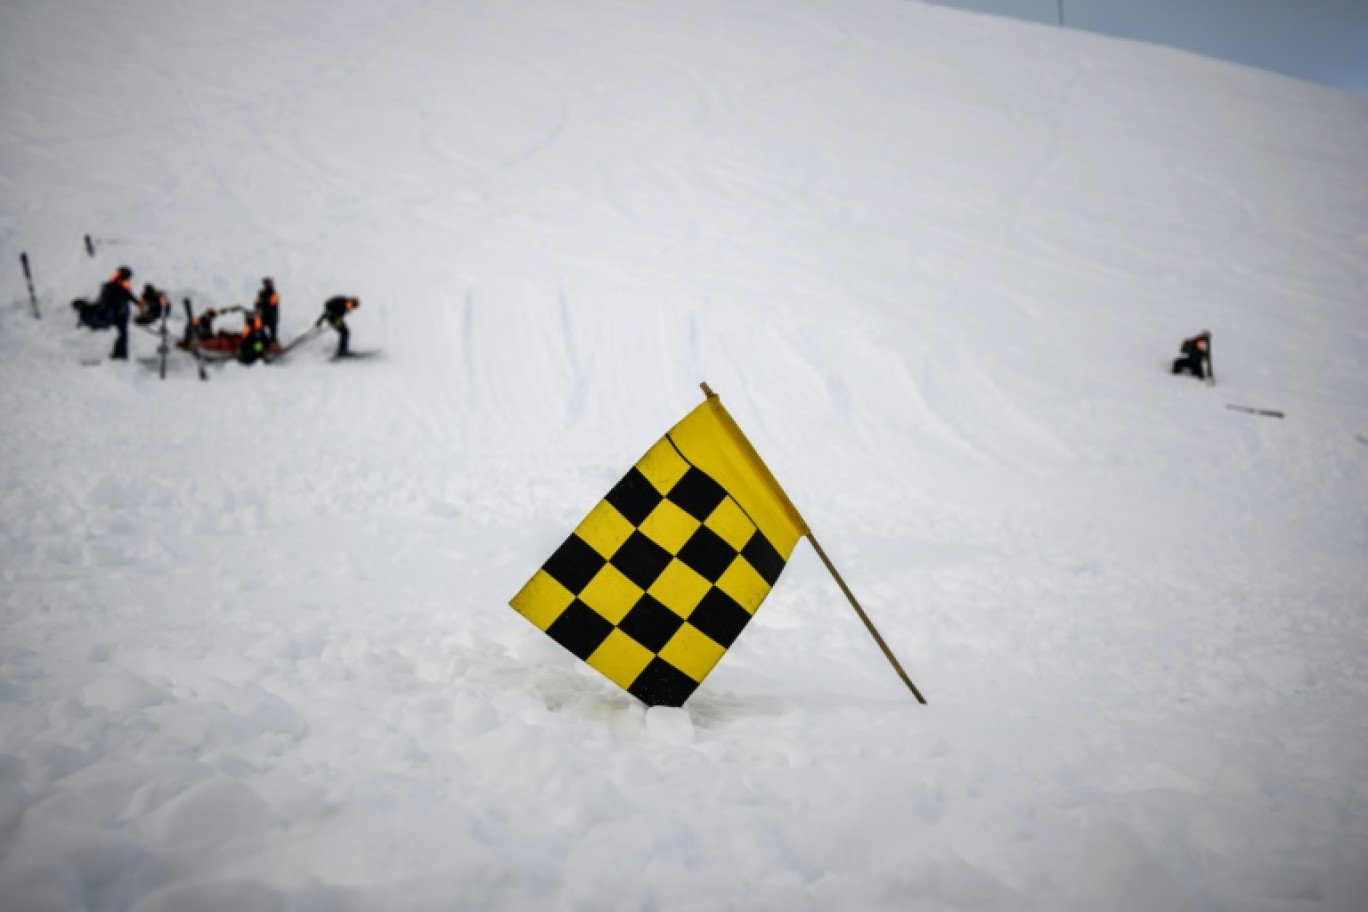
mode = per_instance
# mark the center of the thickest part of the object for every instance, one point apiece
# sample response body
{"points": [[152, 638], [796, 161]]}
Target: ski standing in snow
{"points": [[28, 278]]}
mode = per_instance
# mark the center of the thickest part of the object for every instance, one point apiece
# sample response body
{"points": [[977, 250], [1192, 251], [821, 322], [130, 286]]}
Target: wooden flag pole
{"points": [[869, 625], [888, 653]]}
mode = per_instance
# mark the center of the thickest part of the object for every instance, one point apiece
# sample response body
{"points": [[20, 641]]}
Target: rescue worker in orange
{"points": [[335, 312], [268, 307], [254, 344], [116, 297]]}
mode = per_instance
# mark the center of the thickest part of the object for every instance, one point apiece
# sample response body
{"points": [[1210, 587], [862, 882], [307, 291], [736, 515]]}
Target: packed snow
{"points": [[256, 650]]}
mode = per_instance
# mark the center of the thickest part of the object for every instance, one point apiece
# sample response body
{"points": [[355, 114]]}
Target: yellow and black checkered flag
{"points": [[663, 574]]}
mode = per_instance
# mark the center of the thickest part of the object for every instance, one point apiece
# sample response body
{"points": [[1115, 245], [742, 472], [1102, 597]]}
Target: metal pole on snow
{"points": [[28, 277]]}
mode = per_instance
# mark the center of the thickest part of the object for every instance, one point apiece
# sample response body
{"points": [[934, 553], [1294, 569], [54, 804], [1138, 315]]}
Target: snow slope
{"points": [[256, 652]]}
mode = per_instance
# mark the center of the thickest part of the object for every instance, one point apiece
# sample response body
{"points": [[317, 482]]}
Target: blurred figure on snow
{"points": [[110, 309], [151, 305], [204, 324], [268, 307], [116, 297], [89, 315], [255, 344], [210, 338], [1195, 357], [335, 312]]}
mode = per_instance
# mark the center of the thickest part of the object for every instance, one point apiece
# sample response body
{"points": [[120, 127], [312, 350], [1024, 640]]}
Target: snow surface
{"points": [[256, 652]]}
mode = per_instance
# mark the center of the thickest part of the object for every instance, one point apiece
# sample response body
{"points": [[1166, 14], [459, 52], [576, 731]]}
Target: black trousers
{"points": [[120, 351], [1192, 366], [344, 336]]}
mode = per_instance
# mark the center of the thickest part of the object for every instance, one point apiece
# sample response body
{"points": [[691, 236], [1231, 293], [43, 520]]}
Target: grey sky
{"points": [[1323, 41]]}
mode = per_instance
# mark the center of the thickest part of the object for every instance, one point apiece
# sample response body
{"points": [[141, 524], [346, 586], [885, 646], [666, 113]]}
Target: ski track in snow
{"points": [[256, 652]]}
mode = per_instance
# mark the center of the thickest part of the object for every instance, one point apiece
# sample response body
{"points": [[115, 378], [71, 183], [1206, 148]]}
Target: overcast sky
{"points": [[1319, 40]]}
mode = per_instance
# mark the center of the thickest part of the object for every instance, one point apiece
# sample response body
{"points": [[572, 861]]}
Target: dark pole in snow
{"points": [[190, 340], [28, 277], [850, 596], [888, 653], [1263, 412]]}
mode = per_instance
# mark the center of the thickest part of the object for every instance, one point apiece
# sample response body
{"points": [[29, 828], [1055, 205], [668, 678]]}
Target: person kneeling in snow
{"points": [[1196, 356], [151, 305], [255, 343], [203, 334], [335, 312], [202, 329]]}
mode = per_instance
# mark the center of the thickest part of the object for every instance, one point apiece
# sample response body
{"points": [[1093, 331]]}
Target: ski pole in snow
{"points": [[850, 596], [190, 340], [869, 625], [1266, 413], [163, 346], [28, 277], [90, 243], [302, 339]]}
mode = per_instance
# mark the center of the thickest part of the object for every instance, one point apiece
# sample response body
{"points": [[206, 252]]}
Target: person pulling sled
{"points": [[335, 312], [1195, 357]]}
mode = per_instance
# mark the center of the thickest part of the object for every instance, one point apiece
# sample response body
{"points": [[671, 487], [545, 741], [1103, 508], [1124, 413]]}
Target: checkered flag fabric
{"points": [[660, 578]]}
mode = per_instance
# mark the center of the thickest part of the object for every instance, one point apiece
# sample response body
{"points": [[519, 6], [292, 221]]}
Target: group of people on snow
{"points": [[257, 340]]}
